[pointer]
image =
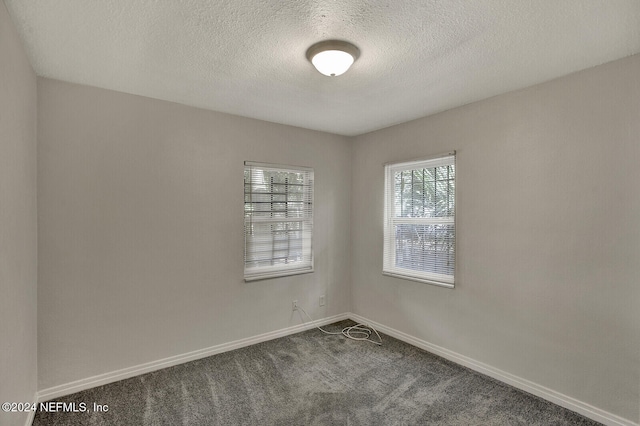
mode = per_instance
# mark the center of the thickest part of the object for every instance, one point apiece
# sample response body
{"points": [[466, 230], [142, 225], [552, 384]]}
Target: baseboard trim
{"points": [[550, 395], [32, 414], [125, 373]]}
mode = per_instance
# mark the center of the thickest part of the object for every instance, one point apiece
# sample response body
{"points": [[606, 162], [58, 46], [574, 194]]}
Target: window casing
{"points": [[419, 220], [278, 220]]}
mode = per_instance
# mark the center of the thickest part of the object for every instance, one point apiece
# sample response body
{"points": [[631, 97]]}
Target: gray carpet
{"points": [[314, 379]]}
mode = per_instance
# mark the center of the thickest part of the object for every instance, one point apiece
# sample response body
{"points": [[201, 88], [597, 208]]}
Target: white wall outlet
{"points": [[321, 300], [294, 305]]}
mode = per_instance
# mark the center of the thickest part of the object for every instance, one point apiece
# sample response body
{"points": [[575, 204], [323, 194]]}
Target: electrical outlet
{"points": [[294, 305], [321, 300]]}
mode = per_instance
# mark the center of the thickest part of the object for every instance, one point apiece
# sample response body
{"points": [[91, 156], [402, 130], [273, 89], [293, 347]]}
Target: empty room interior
{"points": [[320, 212]]}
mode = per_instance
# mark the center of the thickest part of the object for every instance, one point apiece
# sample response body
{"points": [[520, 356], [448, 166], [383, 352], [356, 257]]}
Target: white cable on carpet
{"points": [[349, 332]]}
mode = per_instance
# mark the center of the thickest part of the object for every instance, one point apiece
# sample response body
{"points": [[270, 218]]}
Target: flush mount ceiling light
{"points": [[332, 57]]}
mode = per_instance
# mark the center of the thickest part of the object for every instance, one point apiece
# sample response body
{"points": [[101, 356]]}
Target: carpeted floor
{"points": [[314, 379]]}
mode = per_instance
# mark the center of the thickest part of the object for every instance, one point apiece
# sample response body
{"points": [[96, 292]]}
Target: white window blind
{"points": [[278, 220], [419, 220]]}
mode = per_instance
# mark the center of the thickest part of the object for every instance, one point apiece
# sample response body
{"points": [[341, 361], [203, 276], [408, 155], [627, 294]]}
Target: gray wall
{"points": [[141, 230], [548, 234], [18, 226]]}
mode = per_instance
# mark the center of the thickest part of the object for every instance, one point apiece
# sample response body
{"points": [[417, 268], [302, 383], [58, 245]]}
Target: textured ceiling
{"points": [[247, 57]]}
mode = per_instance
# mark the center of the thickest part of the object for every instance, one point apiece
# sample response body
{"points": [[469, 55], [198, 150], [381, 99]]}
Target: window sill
{"points": [[420, 280], [279, 274]]}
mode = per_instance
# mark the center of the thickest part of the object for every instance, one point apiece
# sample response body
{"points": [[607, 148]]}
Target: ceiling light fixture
{"points": [[332, 57]]}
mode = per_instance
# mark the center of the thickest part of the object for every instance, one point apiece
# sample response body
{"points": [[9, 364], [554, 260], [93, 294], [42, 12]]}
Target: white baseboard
{"points": [[550, 395], [125, 373], [32, 414]]}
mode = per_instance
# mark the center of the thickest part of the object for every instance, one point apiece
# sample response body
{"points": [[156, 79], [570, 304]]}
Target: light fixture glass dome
{"points": [[332, 62], [332, 57]]}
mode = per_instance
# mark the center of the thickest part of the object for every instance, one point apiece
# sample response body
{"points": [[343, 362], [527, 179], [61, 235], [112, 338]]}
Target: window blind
{"points": [[278, 220], [419, 220]]}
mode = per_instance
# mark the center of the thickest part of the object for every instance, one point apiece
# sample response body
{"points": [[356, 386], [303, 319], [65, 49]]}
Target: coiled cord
{"points": [[360, 331]]}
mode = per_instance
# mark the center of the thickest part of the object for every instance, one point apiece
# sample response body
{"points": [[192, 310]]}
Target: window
{"points": [[419, 220], [278, 220]]}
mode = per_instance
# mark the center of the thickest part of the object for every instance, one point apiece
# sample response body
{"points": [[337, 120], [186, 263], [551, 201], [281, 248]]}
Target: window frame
{"points": [[256, 273], [389, 267]]}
